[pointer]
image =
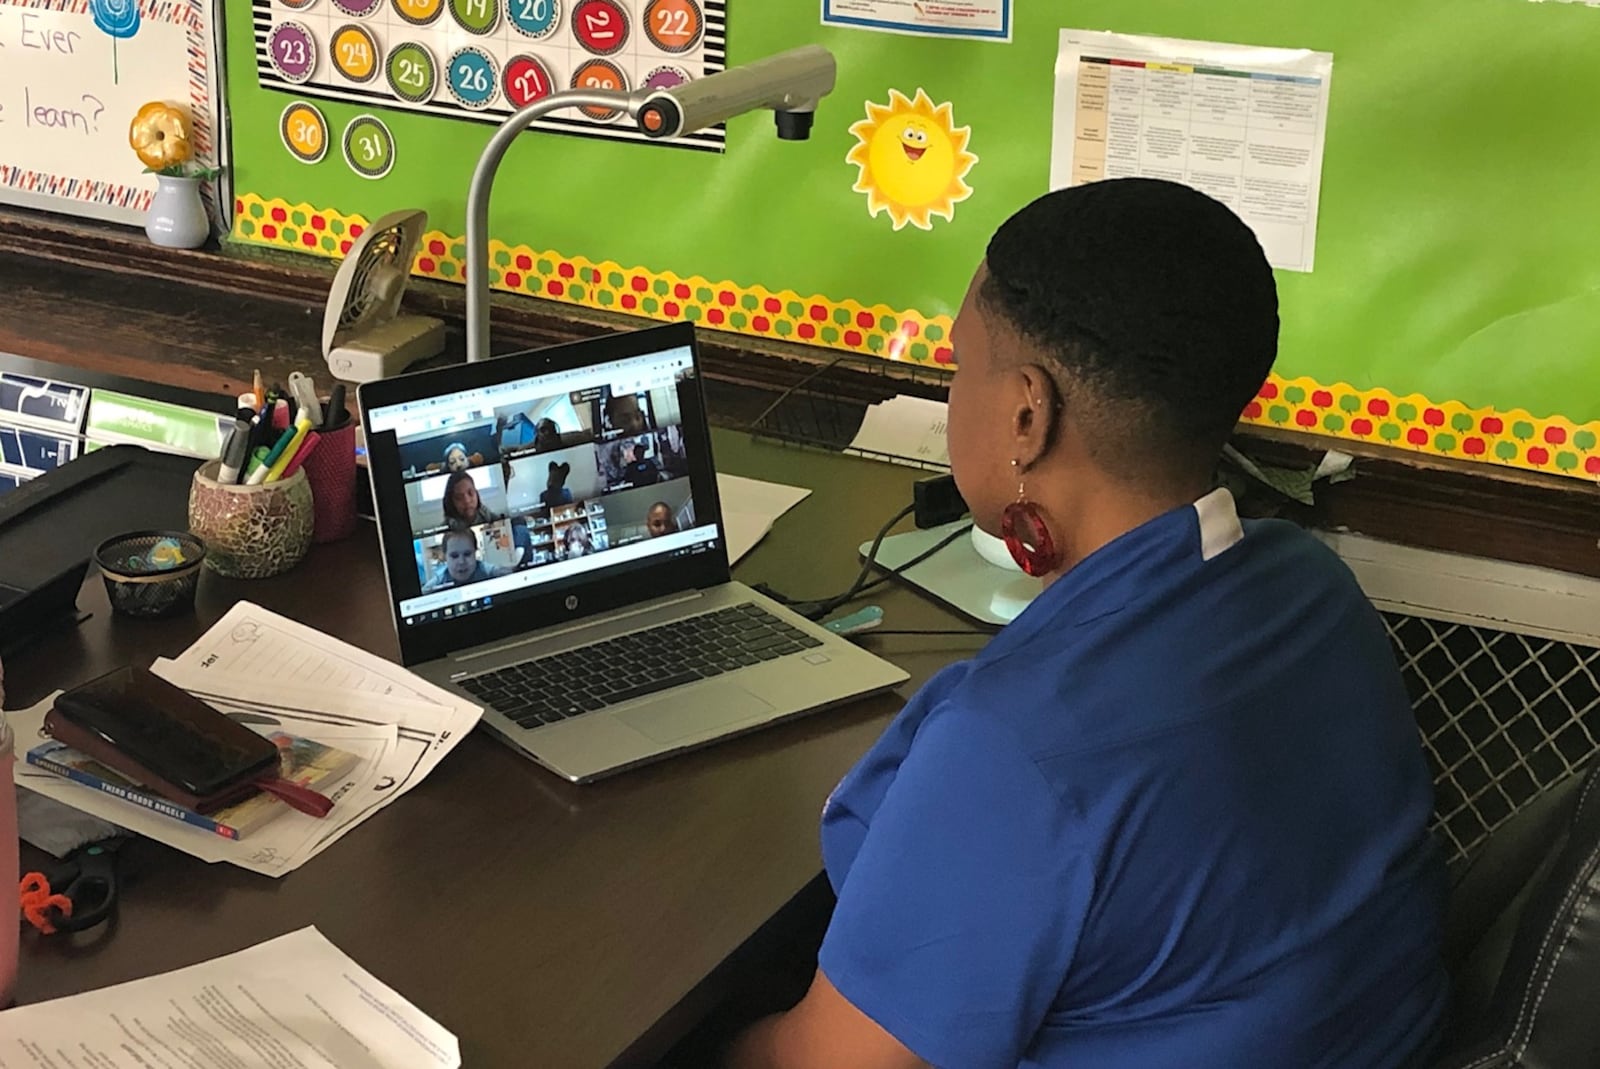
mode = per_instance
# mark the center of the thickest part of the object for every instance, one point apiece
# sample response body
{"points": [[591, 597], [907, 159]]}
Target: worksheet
{"points": [[292, 1001], [1240, 123]]}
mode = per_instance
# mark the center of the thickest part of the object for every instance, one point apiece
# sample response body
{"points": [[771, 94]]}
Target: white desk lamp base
{"points": [[961, 575]]}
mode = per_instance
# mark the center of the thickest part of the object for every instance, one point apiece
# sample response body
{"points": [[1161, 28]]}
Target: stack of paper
{"points": [[292, 1001], [749, 509], [905, 430], [275, 674]]}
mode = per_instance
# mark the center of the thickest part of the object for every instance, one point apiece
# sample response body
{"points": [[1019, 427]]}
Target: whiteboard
{"points": [[68, 90]]}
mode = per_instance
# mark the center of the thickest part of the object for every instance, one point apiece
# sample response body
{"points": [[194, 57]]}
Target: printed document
{"points": [[292, 1001]]}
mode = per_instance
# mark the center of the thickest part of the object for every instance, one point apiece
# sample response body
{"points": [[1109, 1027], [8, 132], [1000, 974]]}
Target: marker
{"points": [[275, 472], [233, 456], [235, 451], [310, 443], [258, 459], [333, 416], [259, 476]]}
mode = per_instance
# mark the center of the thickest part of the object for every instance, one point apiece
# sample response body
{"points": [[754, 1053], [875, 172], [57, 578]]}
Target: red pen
{"points": [[310, 443]]}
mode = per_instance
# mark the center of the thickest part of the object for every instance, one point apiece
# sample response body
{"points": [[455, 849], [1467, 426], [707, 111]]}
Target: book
{"points": [[305, 762]]}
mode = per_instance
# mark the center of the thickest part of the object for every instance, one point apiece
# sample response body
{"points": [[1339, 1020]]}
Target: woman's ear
{"points": [[1035, 413]]}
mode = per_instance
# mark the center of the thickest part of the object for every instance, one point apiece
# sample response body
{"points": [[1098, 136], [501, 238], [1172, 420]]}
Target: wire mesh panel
{"points": [[1504, 717], [826, 408]]}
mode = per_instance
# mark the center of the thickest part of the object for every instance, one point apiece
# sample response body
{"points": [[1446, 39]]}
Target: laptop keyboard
{"points": [[577, 681]]}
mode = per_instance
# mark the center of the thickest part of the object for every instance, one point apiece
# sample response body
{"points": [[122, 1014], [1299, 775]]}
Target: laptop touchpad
{"points": [[705, 706]]}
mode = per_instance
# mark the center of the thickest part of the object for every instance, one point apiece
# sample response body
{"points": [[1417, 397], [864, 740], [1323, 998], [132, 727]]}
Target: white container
{"points": [[177, 216]]}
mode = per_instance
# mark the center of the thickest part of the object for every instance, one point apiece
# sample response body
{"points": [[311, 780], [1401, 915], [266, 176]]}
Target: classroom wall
{"points": [[1451, 308]]}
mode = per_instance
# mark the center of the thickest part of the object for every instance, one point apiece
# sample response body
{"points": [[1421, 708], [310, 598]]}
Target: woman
{"points": [[462, 506], [1176, 812]]}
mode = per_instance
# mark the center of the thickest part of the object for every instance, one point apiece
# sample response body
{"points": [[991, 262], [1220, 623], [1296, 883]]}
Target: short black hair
{"points": [[1153, 298]]}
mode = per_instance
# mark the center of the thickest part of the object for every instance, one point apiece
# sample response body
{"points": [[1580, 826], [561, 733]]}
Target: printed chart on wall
{"points": [[1243, 124], [484, 59], [72, 75], [979, 20]]}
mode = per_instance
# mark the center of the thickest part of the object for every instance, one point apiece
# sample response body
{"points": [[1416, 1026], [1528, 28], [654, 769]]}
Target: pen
{"points": [[259, 387], [310, 443], [280, 414]]}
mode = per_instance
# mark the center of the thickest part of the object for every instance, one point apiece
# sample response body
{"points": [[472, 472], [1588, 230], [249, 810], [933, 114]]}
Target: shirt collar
{"points": [[1127, 566]]}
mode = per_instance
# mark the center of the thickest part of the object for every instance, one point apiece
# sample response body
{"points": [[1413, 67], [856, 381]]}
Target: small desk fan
{"points": [[364, 336]]}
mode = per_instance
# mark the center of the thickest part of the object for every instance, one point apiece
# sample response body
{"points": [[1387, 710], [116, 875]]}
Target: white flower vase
{"points": [[177, 217]]}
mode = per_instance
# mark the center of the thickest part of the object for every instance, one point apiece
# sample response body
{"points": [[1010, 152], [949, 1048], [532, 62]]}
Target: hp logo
{"points": [[572, 602]]}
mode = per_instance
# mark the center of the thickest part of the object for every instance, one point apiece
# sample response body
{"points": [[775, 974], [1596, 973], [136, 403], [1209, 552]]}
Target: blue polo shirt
{"points": [[1172, 816]]}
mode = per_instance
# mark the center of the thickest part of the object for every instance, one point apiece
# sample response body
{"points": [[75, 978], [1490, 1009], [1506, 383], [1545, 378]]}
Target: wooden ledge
{"points": [[103, 298]]}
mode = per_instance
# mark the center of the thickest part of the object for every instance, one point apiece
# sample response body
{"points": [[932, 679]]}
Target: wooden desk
{"points": [[547, 925]]}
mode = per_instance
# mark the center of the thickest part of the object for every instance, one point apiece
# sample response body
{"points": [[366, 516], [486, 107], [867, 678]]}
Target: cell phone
{"points": [[164, 738]]}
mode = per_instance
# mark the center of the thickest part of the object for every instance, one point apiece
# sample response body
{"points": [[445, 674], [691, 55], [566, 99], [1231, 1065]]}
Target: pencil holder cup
{"points": [[250, 532], [331, 468]]}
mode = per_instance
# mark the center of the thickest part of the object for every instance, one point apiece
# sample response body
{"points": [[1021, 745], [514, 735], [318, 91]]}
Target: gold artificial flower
{"points": [[160, 135]]}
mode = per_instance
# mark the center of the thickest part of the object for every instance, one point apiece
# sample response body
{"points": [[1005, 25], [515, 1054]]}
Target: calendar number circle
{"points": [[298, 5], [293, 51], [368, 146], [525, 80], [304, 132], [601, 26], [537, 19], [418, 12], [476, 16], [355, 53], [666, 77], [600, 74], [358, 8], [412, 73], [674, 25], [472, 78]]}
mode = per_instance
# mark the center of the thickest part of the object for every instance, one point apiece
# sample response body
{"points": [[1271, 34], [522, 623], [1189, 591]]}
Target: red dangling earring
{"points": [[1023, 528]]}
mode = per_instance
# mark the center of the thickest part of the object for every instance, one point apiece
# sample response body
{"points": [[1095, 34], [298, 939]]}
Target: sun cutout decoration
{"points": [[913, 159]]}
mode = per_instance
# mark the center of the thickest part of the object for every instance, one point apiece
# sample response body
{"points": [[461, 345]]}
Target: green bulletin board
{"points": [[1453, 305]]}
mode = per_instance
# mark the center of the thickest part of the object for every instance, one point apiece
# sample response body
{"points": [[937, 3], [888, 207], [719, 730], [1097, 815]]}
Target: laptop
{"points": [[554, 550]]}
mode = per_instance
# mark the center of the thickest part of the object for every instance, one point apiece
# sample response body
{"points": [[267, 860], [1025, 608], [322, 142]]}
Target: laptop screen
{"points": [[542, 481]]}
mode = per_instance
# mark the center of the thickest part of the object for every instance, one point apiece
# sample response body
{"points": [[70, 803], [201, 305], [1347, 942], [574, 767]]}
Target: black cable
{"points": [[816, 610]]}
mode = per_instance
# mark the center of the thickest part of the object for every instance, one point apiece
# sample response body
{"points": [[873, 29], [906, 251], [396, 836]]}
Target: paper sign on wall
{"points": [[984, 20], [1240, 123], [70, 88]]}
